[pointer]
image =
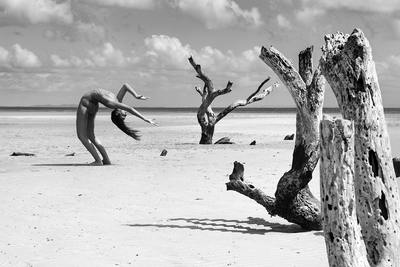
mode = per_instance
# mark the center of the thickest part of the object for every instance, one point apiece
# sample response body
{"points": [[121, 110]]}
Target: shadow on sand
{"points": [[62, 164], [233, 226]]}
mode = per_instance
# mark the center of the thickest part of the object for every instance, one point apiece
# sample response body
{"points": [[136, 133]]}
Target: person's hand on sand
{"points": [[152, 122], [142, 97]]}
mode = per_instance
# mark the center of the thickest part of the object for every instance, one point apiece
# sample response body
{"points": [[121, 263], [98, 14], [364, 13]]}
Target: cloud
{"points": [[91, 32], [37, 11], [18, 57], [104, 56], [138, 4], [214, 14], [283, 22], [219, 13], [165, 51], [308, 14], [78, 31], [381, 6], [314, 8]]}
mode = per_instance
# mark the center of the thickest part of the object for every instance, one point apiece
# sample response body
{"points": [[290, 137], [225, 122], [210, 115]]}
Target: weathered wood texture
{"points": [[206, 116], [293, 199], [343, 239], [349, 68], [396, 165]]}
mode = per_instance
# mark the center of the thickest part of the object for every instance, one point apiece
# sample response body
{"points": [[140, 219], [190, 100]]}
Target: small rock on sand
{"points": [[253, 143], [164, 153]]}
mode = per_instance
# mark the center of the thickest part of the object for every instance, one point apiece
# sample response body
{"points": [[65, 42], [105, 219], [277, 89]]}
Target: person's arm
{"points": [[139, 115], [127, 88]]}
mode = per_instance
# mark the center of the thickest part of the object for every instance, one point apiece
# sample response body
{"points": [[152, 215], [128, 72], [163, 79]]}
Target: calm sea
{"points": [[245, 118]]}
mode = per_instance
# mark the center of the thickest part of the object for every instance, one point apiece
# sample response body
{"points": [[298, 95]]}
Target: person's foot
{"points": [[96, 163], [106, 162]]}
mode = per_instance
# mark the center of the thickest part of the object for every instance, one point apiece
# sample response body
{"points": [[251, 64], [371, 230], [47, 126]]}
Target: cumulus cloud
{"points": [[213, 13], [314, 8], [105, 56], [166, 51], [139, 4], [37, 11], [219, 13], [18, 57]]}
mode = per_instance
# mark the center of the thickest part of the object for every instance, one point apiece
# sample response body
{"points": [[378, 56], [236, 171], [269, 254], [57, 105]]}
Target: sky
{"points": [[53, 51]]}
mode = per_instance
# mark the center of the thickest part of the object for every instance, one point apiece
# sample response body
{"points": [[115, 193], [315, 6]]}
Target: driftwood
{"points": [[16, 154], [349, 68], [224, 141], [396, 165], [293, 199], [70, 154], [343, 239], [206, 116], [289, 137]]}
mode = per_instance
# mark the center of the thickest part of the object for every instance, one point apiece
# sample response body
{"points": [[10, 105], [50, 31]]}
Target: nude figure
{"points": [[86, 113]]}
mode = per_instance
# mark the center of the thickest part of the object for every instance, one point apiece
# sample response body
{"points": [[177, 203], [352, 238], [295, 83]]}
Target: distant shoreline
{"points": [[175, 109]]}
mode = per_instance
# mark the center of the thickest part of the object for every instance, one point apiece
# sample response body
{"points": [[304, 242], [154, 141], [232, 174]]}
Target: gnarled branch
{"points": [[284, 69], [293, 198], [237, 183], [254, 97], [207, 82]]}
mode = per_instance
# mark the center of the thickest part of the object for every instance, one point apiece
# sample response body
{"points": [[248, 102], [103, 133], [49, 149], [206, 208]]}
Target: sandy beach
{"points": [[147, 210]]}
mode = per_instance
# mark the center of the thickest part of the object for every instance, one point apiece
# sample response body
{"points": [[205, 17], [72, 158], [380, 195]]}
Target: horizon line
{"points": [[70, 107]]}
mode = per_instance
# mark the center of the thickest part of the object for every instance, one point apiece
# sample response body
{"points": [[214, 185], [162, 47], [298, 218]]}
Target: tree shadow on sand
{"points": [[62, 164], [253, 225]]}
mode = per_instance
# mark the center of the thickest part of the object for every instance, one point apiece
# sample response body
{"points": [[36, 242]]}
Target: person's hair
{"points": [[118, 118]]}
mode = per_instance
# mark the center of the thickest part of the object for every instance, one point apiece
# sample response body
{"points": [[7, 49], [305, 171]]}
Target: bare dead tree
{"points": [[293, 198], [349, 68], [206, 116], [344, 243]]}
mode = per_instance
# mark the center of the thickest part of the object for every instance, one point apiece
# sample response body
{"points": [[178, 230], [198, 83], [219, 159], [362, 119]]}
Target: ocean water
{"points": [[21, 127]]}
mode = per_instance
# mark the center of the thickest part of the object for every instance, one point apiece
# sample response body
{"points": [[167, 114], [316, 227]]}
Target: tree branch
{"points": [[237, 183], [254, 97], [199, 91], [226, 90], [284, 69], [207, 82]]}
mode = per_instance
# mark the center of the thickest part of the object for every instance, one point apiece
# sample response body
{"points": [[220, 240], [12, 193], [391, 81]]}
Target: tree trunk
{"points": [[343, 239], [350, 70], [207, 133], [293, 199]]}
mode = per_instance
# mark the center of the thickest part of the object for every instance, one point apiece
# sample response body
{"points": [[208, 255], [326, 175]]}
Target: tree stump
{"points": [[342, 232], [349, 68]]}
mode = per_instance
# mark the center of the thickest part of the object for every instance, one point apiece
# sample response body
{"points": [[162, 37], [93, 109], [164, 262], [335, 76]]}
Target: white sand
{"points": [[147, 210]]}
